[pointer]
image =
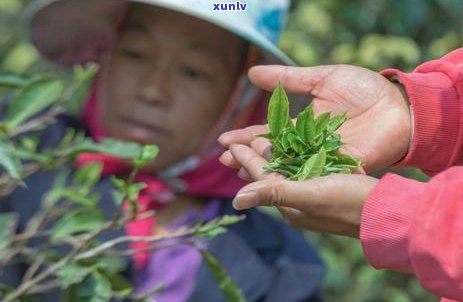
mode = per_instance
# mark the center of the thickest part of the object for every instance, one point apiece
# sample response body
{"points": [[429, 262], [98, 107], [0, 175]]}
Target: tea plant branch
{"points": [[45, 287], [39, 122], [76, 254], [31, 282], [25, 287], [199, 230], [9, 184], [99, 250], [189, 241]]}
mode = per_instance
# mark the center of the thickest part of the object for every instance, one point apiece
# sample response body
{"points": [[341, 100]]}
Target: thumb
{"points": [[296, 80], [271, 192]]}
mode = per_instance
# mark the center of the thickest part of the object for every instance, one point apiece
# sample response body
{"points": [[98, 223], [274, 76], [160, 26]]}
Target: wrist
{"points": [[406, 101]]}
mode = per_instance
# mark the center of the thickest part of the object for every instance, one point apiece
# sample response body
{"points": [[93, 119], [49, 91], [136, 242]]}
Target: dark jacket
{"points": [[267, 259]]}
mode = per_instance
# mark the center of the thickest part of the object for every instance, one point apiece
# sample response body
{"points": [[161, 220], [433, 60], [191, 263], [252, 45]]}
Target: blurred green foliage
{"points": [[373, 33], [376, 34]]}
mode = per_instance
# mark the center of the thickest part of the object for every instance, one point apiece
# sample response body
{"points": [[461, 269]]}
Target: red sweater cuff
{"points": [[436, 112], [386, 218]]}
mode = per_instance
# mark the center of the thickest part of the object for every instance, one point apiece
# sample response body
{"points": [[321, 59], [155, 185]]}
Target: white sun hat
{"points": [[76, 31]]}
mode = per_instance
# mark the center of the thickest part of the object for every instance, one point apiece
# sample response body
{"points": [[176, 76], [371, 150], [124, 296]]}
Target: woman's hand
{"points": [[378, 126], [331, 204]]}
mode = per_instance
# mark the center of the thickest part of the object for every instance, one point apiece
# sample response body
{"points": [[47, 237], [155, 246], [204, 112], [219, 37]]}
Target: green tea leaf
{"points": [[8, 159], [117, 148], [266, 135], [230, 290], [321, 122], [313, 167], [148, 153], [345, 159], [88, 175], [33, 99], [72, 273], [296, 143], [87, 219], [331, 145], [8, 222], [336, 122], [122, 288], [95, 288], [278, 111], [305, 123], [14, 81]]}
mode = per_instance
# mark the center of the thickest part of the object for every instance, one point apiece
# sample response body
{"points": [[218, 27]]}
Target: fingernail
{"points": [[245, 200], [221, 138]]}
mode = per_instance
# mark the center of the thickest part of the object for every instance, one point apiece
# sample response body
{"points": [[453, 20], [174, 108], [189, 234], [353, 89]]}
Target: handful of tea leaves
{"points": [[310, 147]]}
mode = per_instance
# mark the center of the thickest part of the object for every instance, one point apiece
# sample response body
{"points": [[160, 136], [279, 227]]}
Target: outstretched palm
{"points": [[377, 130]]}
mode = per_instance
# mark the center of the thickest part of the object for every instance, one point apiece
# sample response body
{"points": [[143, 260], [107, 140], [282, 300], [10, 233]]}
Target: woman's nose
{"points": [[153, 87]]}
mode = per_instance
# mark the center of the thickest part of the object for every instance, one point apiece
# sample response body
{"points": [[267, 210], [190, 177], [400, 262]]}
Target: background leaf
{"points": [[229, 289], [32, 99], [87, 219]]}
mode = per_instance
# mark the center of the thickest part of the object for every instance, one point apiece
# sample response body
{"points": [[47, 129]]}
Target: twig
{"points": [[39, 122], [45, 287], [8, 184], [125, 239]]}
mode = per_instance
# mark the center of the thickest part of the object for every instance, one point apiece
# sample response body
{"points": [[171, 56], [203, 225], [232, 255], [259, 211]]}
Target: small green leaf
{"points": [[58, 189], [331, 145], [14, 81], [8, 222], [88, 175], [344, 159], [122, 288], [278, 111], [95, 288], [336, 122], [103, 289], [321, 122], [72, 273], [133, 190], [9, 160], [296, 143], [87, 219], [216, 226], [117, 148], [313, 167], [118, 197], [148, 153], [305, 124], [266, 135], [229, 289], [81, 81], [33, 99]]}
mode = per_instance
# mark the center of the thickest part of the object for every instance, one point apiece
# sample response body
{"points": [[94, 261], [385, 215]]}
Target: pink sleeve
{"points": [[417, 228], [435, 91]]}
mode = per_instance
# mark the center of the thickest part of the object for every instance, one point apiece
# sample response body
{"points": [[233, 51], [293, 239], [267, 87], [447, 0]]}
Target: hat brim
{"points": [[53, 31]]}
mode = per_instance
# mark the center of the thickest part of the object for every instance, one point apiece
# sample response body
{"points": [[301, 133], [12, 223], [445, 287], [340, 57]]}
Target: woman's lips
{"points": [[143, 130]]}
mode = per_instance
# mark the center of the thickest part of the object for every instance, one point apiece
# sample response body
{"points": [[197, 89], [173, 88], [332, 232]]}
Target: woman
{"points": [[173, 74]]}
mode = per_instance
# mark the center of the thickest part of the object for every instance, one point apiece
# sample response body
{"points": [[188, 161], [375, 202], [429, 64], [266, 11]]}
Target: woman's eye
{"points": [[132, 54], [194, 73]]}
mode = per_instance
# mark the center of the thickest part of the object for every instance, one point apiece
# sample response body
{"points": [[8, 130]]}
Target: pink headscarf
{"points": [[208, 179]]}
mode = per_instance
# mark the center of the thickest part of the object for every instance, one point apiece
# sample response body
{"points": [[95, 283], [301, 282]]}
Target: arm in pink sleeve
{"points": [[417, 228], [435, 91]]}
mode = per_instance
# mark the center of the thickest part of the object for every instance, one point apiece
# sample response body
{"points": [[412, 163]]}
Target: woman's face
{"points": [[168, 80]]}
